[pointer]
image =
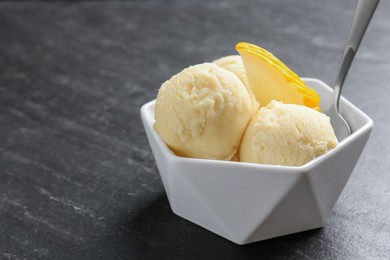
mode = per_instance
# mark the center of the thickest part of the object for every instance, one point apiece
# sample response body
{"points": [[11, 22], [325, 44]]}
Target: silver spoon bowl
{"points": [[363, 13]]}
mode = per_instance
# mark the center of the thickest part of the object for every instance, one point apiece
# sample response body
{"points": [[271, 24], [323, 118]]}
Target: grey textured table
{"points": [[77, 176]]}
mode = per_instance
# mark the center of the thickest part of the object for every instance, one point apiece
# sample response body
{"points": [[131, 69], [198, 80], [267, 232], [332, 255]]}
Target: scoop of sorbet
{"points": [[287, 134], [203, 111], [234, 64]]}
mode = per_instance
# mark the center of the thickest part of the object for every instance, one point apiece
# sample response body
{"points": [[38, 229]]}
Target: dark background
{"points": [[77, 176]]}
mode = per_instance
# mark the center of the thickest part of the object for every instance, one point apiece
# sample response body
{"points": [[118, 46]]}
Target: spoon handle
{"points": [[361, 18]]}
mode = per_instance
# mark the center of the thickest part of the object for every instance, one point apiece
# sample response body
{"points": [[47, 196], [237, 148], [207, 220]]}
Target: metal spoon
{"points": [[361, 18]]}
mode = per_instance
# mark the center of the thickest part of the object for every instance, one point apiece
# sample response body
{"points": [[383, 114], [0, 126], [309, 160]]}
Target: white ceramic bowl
{"points": [[246, 202]]}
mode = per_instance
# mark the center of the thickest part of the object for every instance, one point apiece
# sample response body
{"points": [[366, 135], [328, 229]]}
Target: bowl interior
{"points": [[358, 121], [354, 116]]}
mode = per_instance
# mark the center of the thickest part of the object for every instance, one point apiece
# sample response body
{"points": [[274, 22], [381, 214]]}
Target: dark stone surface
{"points": [[77, 177]]}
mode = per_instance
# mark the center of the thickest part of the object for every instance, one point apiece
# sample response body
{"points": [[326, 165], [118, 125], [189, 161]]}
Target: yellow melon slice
{"points": [[270, 79]]}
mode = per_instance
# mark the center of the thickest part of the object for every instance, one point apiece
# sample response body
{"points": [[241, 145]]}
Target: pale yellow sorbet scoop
{"points": [[287, 134], [203, 111], [234, 64]]}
